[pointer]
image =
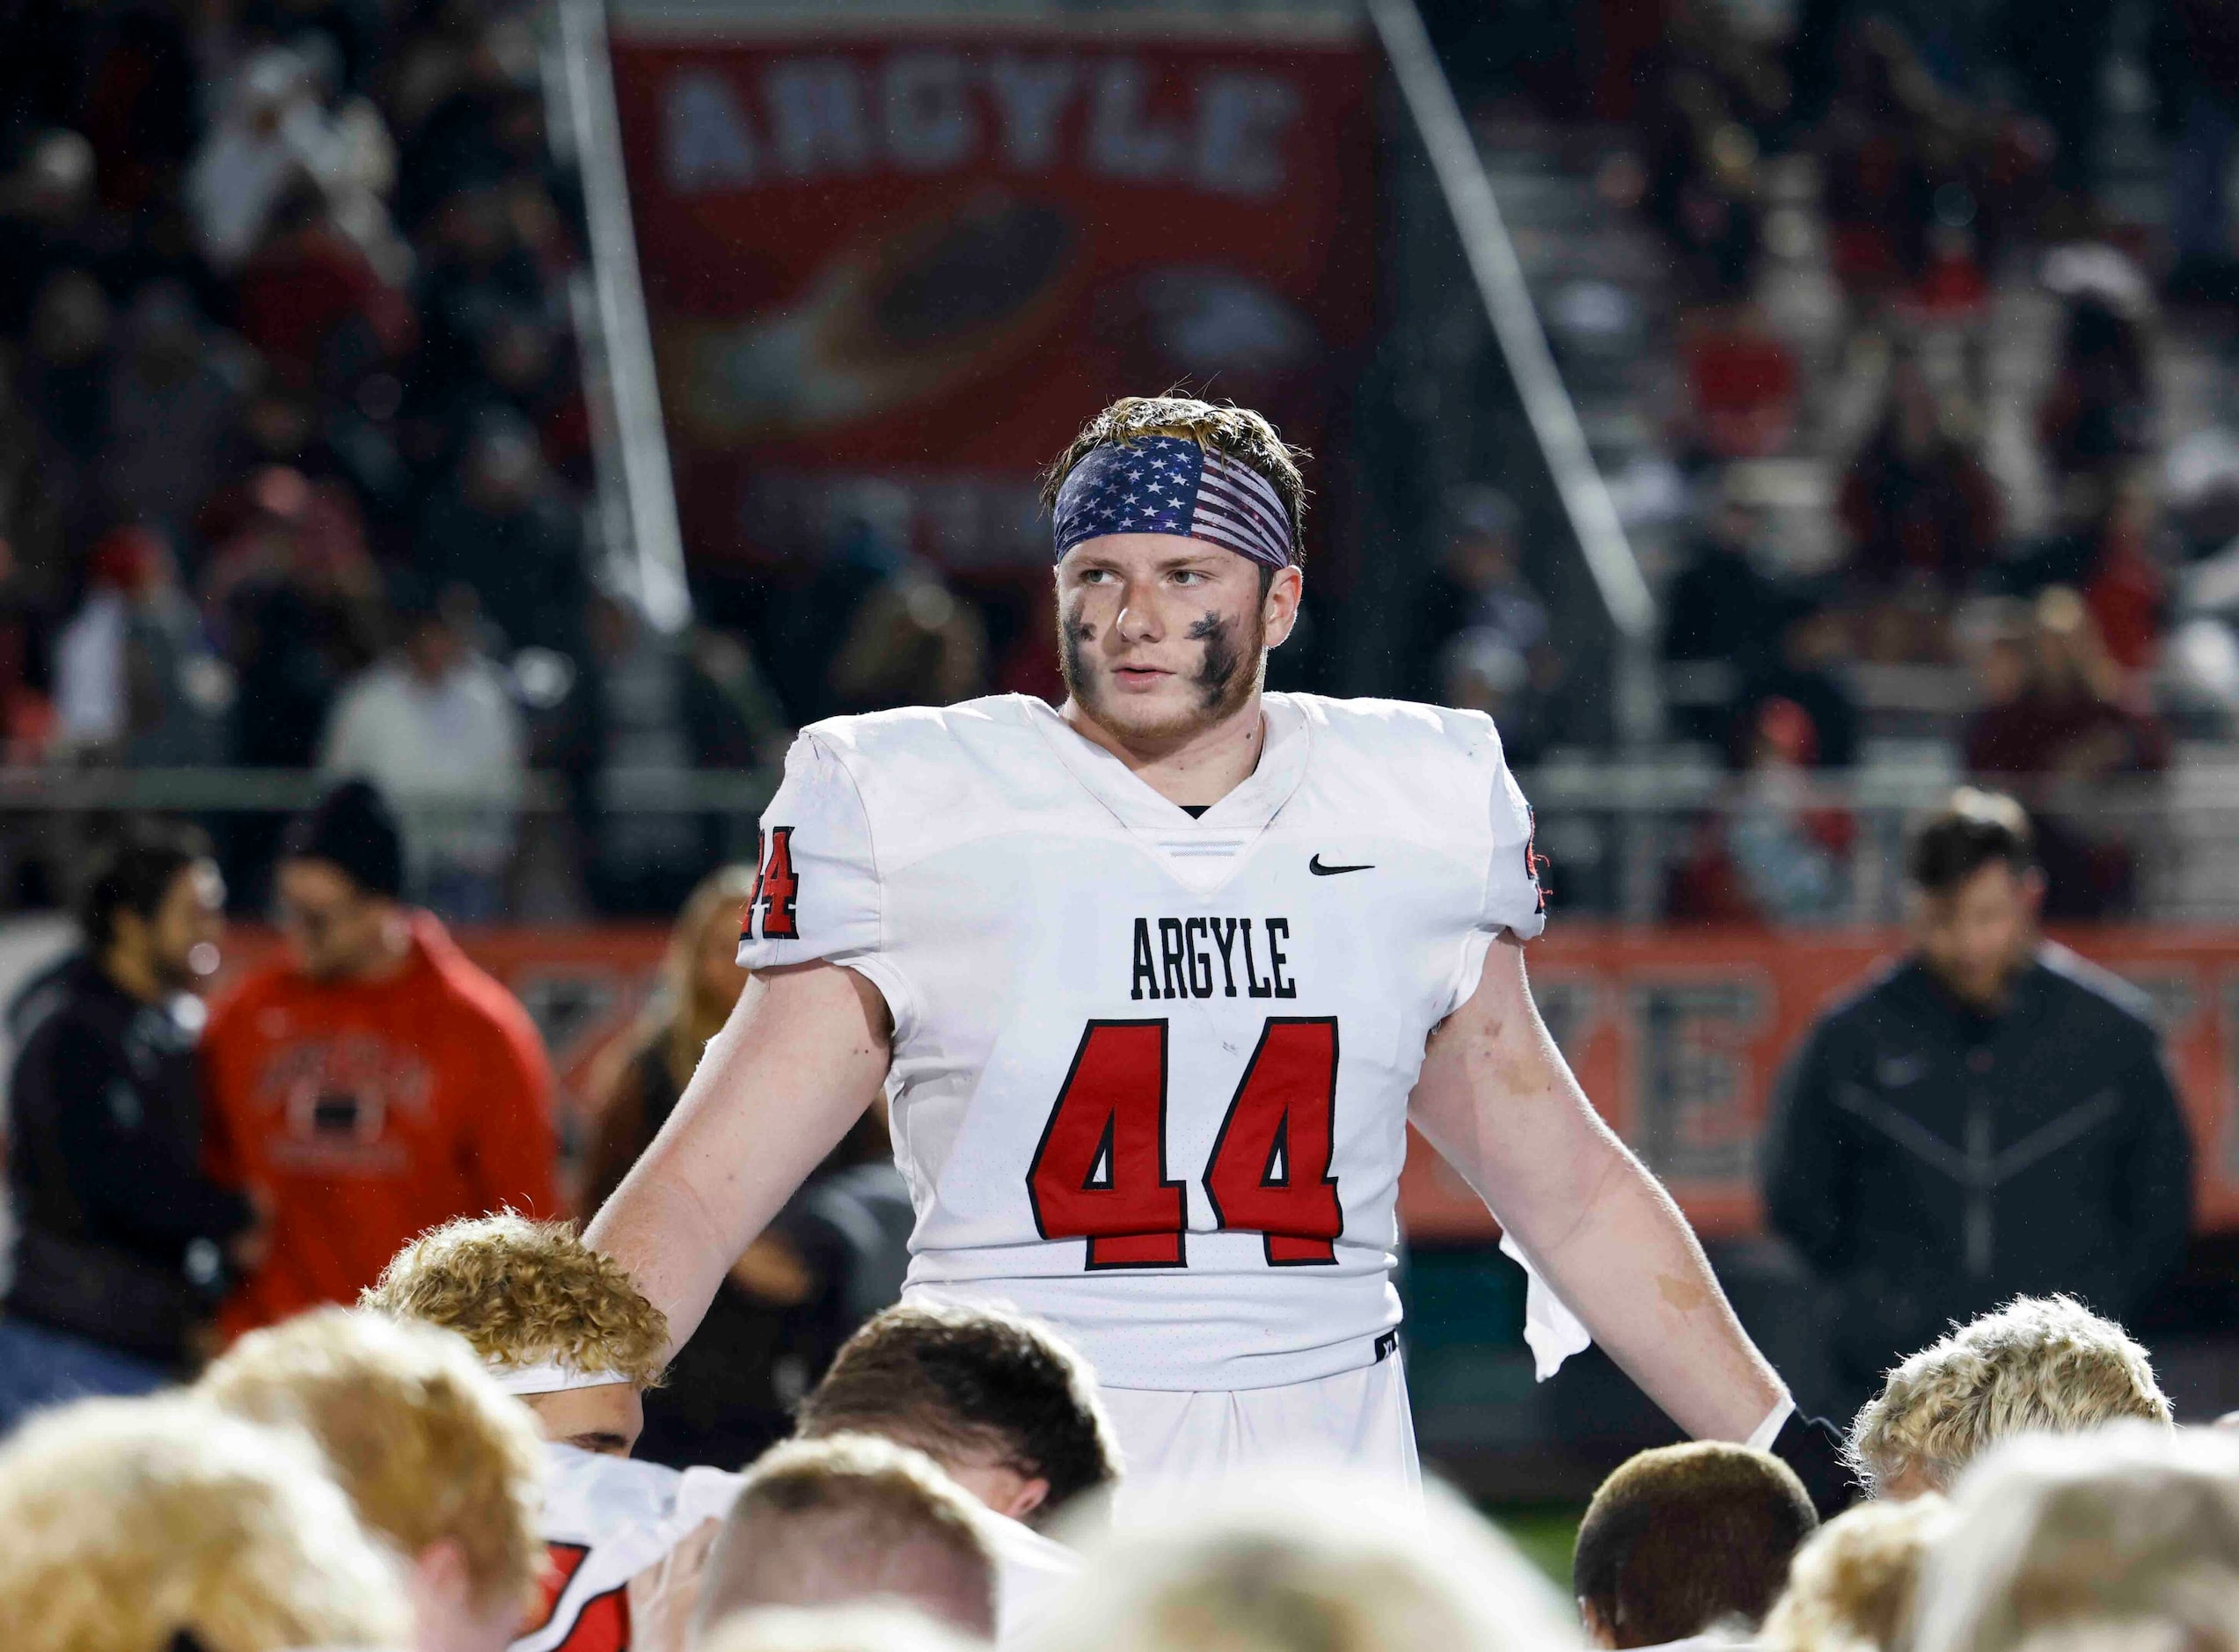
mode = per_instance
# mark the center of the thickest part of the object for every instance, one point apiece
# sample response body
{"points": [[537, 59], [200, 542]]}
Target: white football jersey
{"points": [[606, 1519], [1150, 1072]]}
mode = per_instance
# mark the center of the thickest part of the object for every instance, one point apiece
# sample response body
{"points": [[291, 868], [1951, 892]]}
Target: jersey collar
{"points": [[1200, 852]]}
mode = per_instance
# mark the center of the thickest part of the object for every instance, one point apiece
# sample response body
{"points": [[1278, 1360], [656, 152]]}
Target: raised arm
{"points": [[800, 1058], [1498, 1101]]}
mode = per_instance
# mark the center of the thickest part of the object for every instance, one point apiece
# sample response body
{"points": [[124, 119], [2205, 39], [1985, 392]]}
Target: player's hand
{"points": [[1814, 1449], [663, 1597]]}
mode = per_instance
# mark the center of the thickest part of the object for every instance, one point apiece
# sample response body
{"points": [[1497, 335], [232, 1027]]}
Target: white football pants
{"points": [[1358, 1420]]}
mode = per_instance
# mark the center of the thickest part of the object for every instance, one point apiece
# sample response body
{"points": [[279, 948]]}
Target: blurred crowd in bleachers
{"points": [[294, 448], [1950, 291], [295, 464]]}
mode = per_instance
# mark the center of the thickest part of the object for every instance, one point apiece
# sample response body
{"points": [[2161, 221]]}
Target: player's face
{"points": [[606, 1419], [1976, 937], [1161, 636]]}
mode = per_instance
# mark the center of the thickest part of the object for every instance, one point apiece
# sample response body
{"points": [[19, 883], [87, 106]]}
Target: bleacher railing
{"points": [[1644, 843]]}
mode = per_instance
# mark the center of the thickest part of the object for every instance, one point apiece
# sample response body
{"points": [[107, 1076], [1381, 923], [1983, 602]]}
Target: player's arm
{"points": [[1497, 1097], [803, 1054]]}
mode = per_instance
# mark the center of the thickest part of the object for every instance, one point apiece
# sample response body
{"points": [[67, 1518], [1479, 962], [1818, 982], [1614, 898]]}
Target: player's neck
{"points": [[1192, 771]]}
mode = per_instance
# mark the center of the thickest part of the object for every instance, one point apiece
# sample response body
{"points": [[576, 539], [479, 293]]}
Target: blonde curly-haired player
{"points": [[564, 1330], [560, 1326], [2040, 1365], [433, 1454], [1155, 981], [143, 1523]]}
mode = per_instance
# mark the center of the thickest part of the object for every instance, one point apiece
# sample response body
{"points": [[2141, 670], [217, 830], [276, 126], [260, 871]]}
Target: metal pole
{"points": [[624, 390], [1515, 321]]}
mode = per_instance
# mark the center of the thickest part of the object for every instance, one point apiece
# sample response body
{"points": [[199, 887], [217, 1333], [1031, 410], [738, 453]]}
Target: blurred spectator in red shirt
{"points": [[1790, 858], [314, 303], [2054, 725], [295, 601], [1766, 855], [2110, 558], [373, 1082], [1919, 509], [1743, 383]]}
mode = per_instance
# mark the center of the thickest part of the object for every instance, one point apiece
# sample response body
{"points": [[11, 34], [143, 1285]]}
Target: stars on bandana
{"points": [[1169, 485]]}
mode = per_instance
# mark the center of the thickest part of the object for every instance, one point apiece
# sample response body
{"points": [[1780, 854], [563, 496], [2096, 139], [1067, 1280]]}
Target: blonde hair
{"points": [[1236, 432], [428, 1447], [129, 1521], [1853, 1585], [847, 1519], [522, 1293], [2097, 1541], [831, 1629], [2039, 1364], [1333, 1563]]}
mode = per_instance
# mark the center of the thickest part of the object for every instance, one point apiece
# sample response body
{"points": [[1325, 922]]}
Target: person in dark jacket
{"points": [[1989, 1118], [123, 1245]]}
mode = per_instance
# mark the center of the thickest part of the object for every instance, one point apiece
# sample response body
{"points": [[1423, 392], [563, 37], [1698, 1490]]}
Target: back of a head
{"points": [[428, 1446], [846, 1521], [131, 1522], [835, 1629], [1687, 1537], [1308, 1564], [2039, 1365], [2115, 1539], [970, 1384], [522, 1293], [1854, 1583]]}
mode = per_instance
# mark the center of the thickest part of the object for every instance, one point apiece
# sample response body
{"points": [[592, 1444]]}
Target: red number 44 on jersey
{"points": [[1099, 1173]]}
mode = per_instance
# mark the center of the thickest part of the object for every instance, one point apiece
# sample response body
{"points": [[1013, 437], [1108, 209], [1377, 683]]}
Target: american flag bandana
{"points": [[1170, 485]]}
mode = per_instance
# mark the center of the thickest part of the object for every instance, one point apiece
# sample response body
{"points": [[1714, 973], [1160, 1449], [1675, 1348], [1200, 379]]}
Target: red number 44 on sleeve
{"points": [[776, 888]]}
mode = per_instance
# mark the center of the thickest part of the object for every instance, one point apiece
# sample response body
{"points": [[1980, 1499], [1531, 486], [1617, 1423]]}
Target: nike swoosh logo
{"points": [[1316, 866]]}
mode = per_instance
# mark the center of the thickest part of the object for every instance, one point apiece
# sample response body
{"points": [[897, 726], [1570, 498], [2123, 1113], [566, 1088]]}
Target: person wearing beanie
{"points": [[372, 1079]]}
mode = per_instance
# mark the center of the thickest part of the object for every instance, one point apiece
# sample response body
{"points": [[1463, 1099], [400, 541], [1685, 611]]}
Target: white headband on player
{"points": [[548, 1377]]}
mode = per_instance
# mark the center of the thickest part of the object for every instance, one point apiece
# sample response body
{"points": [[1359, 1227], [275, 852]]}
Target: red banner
{"points": [[921, 256], [1678, 1036]]}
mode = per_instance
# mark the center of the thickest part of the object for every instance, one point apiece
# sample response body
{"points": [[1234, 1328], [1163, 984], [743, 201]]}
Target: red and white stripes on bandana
{"points": [[1170, 485]]}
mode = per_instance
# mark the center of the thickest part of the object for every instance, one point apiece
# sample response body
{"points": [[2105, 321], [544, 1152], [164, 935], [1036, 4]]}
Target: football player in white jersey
{"points": [[1153, 982]]}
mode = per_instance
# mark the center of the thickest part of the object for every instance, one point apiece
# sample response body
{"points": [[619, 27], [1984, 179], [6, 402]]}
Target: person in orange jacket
{"points": [[373, 1082]]}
